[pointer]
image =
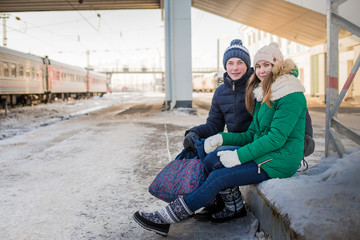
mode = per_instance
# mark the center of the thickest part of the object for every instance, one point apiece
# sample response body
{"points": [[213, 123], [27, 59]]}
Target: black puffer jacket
{"points": [[227, 108]]}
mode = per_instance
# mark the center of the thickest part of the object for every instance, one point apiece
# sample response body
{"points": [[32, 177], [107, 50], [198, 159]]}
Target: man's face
{"points": [[236, 68]]}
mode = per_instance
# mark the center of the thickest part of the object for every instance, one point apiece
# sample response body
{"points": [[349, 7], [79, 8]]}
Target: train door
{"points": [[46, 78], [43, 78], [88, 81]]}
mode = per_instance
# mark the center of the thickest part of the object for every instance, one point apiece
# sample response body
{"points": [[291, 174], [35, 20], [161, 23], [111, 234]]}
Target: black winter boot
{"points": [[207, 211], [234, 206], [159, 221]]}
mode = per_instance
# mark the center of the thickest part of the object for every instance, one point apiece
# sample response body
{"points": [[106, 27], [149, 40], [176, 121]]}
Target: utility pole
{"points": [[4, 16], [88, 58], [217, 55]]}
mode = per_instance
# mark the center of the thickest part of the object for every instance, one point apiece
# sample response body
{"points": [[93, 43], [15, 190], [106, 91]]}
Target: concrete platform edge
{"points": [[270, 219]]}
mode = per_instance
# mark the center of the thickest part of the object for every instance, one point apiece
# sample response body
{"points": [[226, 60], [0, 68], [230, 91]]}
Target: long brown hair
{"points": [[266, 87]]}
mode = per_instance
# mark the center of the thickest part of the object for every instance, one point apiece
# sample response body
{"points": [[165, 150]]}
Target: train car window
{"points": [[21, 71], [13, 70], [58, 75], [27, 73], [32, 73], [6, 69]]}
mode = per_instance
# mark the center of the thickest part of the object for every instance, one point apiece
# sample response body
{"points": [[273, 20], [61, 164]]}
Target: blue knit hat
{"points": [[236, 49]]}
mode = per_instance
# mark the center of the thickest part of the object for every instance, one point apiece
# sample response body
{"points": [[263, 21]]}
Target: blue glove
{"points": [[199, 145]]}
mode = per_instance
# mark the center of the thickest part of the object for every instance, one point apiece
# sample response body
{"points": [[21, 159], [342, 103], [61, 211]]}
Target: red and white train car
{"points": [[26, 78]]}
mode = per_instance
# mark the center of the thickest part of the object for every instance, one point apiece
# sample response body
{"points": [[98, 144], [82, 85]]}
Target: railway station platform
{"points": [[299, 210], [87, 178]]}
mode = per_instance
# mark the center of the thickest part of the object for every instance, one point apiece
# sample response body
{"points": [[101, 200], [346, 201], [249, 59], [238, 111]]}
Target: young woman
{"points": [[272, 147]]}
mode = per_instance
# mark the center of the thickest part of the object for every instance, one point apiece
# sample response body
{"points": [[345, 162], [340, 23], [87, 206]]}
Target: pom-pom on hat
{"points": [[270, 53], [236, 49]]}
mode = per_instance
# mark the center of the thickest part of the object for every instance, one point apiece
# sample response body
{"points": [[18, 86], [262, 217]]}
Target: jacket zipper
{"points": [[259, 165], [236, 104], [233, 86]]}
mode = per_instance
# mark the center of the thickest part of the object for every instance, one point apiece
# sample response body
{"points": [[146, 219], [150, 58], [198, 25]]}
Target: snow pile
{"points": [[324, 201]]}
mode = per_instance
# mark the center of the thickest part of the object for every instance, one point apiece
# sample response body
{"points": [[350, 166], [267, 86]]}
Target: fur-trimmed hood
{"points": [[285, 82], [284, 67]]}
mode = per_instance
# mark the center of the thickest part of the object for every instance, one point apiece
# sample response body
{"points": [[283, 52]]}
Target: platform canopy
{"points": [[278, 17]]}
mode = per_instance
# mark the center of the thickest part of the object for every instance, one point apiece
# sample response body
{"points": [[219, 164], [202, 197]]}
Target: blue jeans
{"points": [[221, 178]]}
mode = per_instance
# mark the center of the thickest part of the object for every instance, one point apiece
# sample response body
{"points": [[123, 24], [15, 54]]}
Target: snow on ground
{"points": [[322, 202], [42, 187], [24, 119]]}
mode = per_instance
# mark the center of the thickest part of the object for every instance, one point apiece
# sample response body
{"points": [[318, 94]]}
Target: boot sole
{"points": [[161, 229], [242, 213], [202, 218], [205, 215]]}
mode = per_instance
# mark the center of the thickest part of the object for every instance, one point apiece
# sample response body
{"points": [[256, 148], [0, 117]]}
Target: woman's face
{"points": [[236, 68], [263, 69]]}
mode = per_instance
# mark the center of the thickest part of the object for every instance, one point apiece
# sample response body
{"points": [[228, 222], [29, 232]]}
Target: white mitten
{"points": [[229, 158], [213, 142]]}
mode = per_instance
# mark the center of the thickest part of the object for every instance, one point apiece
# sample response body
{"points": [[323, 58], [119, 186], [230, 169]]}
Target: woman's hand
{"points": [[229, 158], [213, 142]]}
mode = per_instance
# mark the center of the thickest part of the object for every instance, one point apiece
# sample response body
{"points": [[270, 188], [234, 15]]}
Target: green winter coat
{"points": [[275, 138]]}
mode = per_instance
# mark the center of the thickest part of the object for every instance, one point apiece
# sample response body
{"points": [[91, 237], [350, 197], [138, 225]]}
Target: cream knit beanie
{"points": [[270, 53]]}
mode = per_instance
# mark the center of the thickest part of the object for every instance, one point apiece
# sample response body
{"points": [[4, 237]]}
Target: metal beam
{"points": [[332, 68], [342, 22], [71, 5], [345, 131], [333, 101], [345, 87]]}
